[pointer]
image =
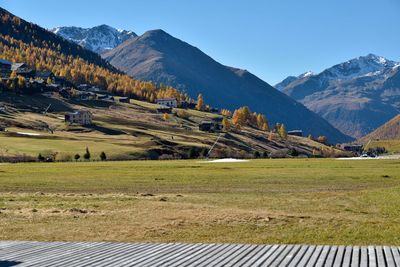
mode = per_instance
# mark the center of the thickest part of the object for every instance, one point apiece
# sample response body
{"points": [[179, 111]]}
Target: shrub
{"points": [[103, 156], [40, 157], [86, 156], [193, 153], [182, 114], [293, 152]]}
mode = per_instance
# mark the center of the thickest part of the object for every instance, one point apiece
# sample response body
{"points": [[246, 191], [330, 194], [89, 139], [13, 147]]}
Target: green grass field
{"points": [[313, 201]]}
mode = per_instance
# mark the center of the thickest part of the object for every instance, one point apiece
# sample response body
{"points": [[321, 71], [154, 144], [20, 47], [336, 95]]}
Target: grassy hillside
{"points": [[387, 136], [312, 201], [388, 131], [127, 131]]}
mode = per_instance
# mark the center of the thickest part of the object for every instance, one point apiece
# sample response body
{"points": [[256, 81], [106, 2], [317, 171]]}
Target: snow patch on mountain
{"points": [[98, 39]]}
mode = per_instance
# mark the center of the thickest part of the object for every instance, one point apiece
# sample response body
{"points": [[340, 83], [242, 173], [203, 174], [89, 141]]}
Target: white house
{"points": [[169, 102], [83, 117]]}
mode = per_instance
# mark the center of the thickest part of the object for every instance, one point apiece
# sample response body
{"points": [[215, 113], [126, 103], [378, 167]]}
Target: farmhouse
{"points": [[353, 148], [23, 70], [295, 133], [187, 105], [82, 117], [169, 102], [45, 75]]}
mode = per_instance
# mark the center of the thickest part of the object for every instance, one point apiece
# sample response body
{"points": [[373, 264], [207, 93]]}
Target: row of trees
{"points": [[66, 157]]}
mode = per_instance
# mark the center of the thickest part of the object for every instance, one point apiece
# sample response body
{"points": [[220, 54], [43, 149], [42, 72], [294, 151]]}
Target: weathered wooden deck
{"points": [[23, 253]]}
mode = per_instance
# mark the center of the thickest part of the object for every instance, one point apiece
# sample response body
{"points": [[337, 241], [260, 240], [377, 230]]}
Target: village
{"points": [[47, 83]]}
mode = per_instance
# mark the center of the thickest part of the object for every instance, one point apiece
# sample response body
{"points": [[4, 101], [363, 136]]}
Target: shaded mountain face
{"points": [[159, 57], [356, 96], [97, 39]]}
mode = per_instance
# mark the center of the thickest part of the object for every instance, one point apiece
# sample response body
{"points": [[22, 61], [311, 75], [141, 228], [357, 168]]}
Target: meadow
{"points": [[313, 201]]}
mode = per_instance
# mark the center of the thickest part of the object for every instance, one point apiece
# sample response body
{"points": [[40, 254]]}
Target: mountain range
{"points": [[162, 58], [97, 39], [356, 96]]}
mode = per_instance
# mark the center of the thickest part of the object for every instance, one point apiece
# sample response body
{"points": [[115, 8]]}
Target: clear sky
{"points": [[270, 38]]}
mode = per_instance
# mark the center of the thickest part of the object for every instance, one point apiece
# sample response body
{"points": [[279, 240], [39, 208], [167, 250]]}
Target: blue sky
{"points": [[270, 38]]}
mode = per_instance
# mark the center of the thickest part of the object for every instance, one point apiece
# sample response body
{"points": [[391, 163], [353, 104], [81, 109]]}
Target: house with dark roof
{"points": [[23, 70], [82, 117], [45, 75], [169, 102], [295, 133]]}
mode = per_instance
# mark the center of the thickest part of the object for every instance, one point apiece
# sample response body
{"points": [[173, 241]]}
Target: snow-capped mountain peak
{"points": [[369, 65], [98, 38], [305, 74]]}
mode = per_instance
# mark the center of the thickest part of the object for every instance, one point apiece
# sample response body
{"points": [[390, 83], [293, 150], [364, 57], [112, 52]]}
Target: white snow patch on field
{"points": [[30, 134], [225, 160]]}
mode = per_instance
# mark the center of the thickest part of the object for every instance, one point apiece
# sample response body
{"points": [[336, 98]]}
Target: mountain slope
{"points": [[159, 57], [97, 39], [356, 96], [22, 41], [388, 131]]}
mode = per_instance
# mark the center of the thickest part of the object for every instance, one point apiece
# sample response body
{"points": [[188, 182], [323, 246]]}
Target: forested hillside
{"points": [[21, 41]]}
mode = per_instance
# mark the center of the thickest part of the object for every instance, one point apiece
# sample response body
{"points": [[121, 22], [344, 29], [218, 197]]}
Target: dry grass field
{"points": [[313, 201]]}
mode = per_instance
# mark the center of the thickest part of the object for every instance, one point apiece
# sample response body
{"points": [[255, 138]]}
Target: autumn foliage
{"points": [[244, 117]]}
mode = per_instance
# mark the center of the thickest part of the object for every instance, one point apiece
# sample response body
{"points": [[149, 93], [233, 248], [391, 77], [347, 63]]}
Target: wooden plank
{"points": [[83, 249], [176, 255], [339, 256], [274, 255], [235, 256], [54, 253], [322, 257], [289, 256], [207, 250], [371, 257], [203, 257], [311, 259], [265, 256], [396, 255], [380, 256], [355, 259], [220, 256], [299, 255], [251, 255], [202, 249], [389, 257], [243, 253], [261, 253], [364, 256], [277, 261], [127, 254], [331, 256], [35, 249], [155, 255], [186, 255], [90, 254]]}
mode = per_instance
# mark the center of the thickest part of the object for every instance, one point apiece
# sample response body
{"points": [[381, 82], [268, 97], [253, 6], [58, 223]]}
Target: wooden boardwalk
{"points": [[29, 253]]}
